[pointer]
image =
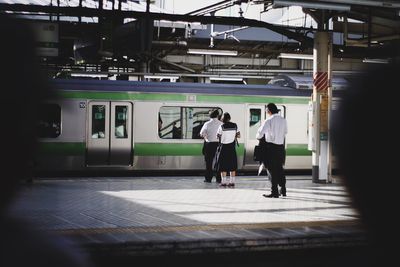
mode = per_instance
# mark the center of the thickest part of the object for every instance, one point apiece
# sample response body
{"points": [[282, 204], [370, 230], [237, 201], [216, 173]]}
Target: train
{"points": [[154, 126]]}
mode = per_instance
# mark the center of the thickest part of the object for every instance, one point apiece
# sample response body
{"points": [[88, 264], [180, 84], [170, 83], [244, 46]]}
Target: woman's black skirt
{"points": [[228, 159]]}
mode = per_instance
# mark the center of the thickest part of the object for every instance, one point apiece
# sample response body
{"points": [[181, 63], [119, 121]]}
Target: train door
{"points": [[109, 134], [255, 117]]}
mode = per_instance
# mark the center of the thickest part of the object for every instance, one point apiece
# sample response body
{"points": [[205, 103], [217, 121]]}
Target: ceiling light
{"points": [[296, 56], [91, 75], [226, 79], [375, 60], [212, 52], [312, 5], [161, 77]]}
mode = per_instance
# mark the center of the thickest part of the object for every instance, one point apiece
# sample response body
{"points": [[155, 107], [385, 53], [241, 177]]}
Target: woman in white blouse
{"points": [[227, 162]]}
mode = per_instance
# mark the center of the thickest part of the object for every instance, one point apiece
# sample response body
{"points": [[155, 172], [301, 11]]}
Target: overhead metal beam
{"points": [[213, 8], [198, 60], [92, 12], [370, 3], [362, 16], [312, 4], [180, 66], [361, 28], [339, 4]]}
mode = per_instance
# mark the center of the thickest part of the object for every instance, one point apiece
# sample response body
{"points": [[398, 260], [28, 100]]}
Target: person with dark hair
{"points": [[274, 130], [228, 133], [176, 131], [160, 124], [196, 129], [209, 133], [21, 243], [365, 141]]}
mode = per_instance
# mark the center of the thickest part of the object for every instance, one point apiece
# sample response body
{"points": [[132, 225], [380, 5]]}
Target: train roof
{"points": [[184, 88], [305, 82]]}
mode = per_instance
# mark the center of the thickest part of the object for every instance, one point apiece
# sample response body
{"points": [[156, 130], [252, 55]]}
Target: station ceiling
{"points": [[144, 38]]}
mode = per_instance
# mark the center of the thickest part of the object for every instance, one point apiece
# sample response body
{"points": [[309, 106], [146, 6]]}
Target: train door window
{"points": [[49, 123], [121, 117], [183, 122], [98, 121], [254, 122]]}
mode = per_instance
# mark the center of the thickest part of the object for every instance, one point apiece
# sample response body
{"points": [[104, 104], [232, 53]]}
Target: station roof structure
{"points": [[297, 81], [149, 37]]}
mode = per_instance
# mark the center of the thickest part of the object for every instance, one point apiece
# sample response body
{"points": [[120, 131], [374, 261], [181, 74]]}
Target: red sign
{"points": [[321, 81]]}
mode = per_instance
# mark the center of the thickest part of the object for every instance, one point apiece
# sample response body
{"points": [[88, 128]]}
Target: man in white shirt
{"points": [[275, 129], [209, 133]]}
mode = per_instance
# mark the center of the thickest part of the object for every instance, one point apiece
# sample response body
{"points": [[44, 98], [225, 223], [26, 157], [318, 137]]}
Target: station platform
{"points": [[117, 219]]}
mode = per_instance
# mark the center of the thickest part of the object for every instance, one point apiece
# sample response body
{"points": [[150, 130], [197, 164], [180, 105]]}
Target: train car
{"points": [[144, 126]]}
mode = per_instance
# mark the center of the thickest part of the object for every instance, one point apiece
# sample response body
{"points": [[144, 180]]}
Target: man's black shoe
{"points": [[271, 196], [283, 193]]}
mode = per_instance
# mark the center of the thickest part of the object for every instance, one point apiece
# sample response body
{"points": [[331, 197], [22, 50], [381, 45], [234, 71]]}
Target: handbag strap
{"points": [[237, 142]]}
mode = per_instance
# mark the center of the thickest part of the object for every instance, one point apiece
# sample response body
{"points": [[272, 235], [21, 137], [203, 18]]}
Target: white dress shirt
{"points": [[209, 130], [274, 128]]}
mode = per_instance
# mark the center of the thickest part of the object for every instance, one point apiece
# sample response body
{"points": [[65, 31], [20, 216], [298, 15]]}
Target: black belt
{"points": [[269, 143]]}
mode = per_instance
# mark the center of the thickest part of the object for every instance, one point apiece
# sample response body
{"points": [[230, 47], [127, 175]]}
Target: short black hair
{"points": [[272, 108], [214, 113]]}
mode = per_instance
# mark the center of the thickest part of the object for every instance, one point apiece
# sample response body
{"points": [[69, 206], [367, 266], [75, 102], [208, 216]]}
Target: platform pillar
{"points": [[321, 167]]}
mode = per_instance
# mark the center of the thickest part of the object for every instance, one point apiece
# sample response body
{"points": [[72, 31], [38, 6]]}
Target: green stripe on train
{"points": [[156, 149], [62, 148], [174, 149], [298, 150], [179, 97]]}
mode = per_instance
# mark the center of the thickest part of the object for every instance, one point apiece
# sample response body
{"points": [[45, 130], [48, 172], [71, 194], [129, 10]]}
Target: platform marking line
{"points": [[211, 227]]}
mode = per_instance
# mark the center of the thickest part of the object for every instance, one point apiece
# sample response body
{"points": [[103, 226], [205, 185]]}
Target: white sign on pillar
{"points": [[311, 128]]}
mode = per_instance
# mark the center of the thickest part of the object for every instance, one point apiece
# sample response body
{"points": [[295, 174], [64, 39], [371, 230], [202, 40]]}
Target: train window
{"points": [[121, 117], [183, 122], [98, 121], [49, 123], [171, 122], [254, 122]]}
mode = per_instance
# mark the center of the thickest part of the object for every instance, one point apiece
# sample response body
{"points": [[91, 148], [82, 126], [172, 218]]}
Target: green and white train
{"points": [[144, 126]]}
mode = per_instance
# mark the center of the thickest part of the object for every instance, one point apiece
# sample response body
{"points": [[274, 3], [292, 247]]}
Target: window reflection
{"points": [[183, 122], [49, 123]]}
